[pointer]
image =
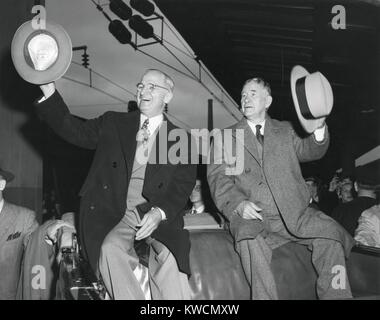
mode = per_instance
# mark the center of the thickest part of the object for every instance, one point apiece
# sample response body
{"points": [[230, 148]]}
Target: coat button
{"points": [[114, 164], [247, 170], [105, 187], [160, 185], [92, 207]]}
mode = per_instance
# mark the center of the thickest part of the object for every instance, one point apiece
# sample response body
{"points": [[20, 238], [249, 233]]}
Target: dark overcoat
{"points": [[103, 195]]}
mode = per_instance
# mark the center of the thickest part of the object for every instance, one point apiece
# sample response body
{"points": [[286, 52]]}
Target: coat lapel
{"points": [[128, 125], [249, 139], [155, 167], [272, 138], [7, 222]]}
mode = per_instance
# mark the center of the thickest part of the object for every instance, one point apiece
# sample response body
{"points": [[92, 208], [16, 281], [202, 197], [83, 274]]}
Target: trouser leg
{"points": [[329, 260], [166, 281], [117, 263], [256, 258]]}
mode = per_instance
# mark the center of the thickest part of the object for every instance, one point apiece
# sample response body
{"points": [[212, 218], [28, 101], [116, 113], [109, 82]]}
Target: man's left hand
{"points": [[52, 230], [148, 224]]}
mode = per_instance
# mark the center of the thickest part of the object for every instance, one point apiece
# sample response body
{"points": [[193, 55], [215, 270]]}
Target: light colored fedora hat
{"points": [[312, 97], [50, 48]]}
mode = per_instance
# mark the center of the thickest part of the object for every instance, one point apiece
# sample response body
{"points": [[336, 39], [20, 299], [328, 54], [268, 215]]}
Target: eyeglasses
{"points": [[150, 86]]}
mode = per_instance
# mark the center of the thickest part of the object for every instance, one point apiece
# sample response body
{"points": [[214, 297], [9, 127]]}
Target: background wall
{"points": [[20, 147]]}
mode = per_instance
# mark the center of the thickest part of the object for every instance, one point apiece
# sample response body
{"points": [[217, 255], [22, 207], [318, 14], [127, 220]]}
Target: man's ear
{"points": [[268, 101], [2, 184], [168, 97]]}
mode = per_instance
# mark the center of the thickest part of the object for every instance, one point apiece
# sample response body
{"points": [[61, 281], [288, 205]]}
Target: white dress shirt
{"points": [[1, 205], [154, 122], [253, 126]]}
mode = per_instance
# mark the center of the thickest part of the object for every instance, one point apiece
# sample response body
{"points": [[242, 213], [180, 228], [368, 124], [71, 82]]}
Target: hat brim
{"points": [[308, 124], [25, 69]]}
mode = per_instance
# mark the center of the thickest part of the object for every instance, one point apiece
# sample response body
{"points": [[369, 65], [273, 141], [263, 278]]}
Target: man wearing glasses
{"points": [[127, 201]]}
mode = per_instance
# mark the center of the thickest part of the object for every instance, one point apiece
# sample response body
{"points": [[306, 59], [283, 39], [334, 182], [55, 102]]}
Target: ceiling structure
{"points": [[241, 39]]}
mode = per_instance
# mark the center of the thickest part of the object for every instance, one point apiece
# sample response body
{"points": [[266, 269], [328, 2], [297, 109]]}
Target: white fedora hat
{"points": [[312, 97], [52, 44]]}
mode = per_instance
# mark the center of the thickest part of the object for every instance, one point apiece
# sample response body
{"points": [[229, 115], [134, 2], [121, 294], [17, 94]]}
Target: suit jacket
{"points": [[16, 225], [103, 195], [37, 253], [368, 231], [280, 173]]}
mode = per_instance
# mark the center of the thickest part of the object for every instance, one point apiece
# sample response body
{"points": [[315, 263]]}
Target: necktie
{"points": [[143, 134], [259, 136]]}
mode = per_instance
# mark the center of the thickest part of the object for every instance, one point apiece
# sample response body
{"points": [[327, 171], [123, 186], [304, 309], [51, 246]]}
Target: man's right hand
{"points": [[48, 89], [249, 210]]}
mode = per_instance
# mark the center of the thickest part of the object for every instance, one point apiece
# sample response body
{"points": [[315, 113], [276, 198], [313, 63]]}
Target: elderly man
{"points": [[267, 203], [16, 225], [127, 199]]}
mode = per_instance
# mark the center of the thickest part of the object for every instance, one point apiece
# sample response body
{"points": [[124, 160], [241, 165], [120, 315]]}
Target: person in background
{"points": [[313, 184], [16, 225], [366, 184], [368, 231], [345, 190], [196, 199]]}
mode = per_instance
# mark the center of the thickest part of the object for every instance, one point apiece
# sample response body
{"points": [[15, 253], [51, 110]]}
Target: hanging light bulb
{"points": [[141, 27], [119, 31], [143, 6], [119, 8]]}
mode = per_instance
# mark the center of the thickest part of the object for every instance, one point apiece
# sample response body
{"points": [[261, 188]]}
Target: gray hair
{"points": [[262, 82], [167, 79]]}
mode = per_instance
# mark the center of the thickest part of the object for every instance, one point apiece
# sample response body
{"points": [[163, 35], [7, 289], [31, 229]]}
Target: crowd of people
{"points": [[352, 201]]}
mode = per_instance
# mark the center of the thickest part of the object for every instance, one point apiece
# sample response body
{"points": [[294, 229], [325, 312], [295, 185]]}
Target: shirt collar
{"points": [[154, 122], [200, 209], [253, 126]]}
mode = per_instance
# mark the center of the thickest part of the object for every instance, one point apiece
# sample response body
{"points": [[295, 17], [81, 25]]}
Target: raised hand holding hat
{"points": [[41, 56], [312, 97]]}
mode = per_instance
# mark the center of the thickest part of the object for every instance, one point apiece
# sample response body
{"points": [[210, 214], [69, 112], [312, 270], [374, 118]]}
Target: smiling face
{"points": [[151, 100], [255, 100]]}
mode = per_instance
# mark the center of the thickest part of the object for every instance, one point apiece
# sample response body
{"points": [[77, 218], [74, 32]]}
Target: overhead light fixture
{"points": [[143, 6], [119, 31], [141, 27], [119, 8]]}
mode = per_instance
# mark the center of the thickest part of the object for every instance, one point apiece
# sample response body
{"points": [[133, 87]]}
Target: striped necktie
{"points": [[259, 136]]}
